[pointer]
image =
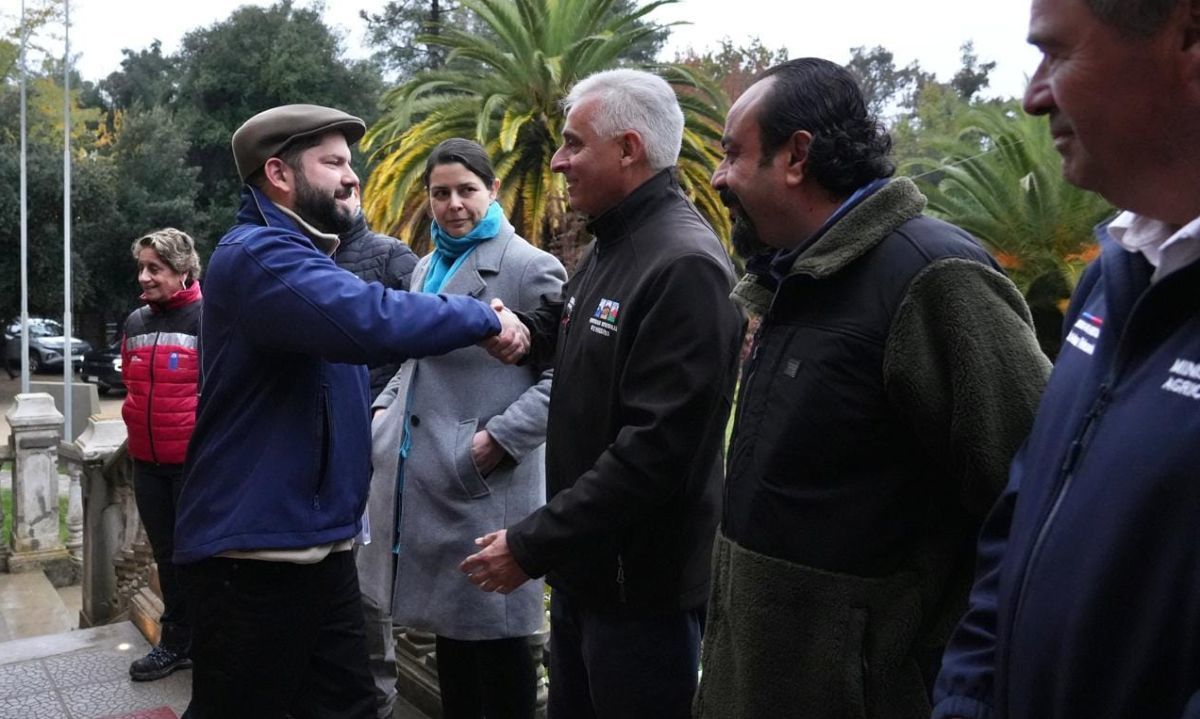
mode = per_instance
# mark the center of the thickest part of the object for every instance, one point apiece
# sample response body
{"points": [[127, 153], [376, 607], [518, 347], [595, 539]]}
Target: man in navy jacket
{"points": [[278, 467], [1086, 600]]}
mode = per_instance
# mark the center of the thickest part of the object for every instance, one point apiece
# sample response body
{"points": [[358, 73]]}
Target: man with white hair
{"points": [[644, 343]]}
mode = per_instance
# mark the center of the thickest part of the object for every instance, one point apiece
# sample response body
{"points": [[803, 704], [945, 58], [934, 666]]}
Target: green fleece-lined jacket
{"points": [[894, 375]]}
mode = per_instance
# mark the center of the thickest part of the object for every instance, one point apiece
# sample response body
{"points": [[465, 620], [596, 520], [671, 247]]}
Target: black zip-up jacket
{"points": [[373, 257], [645, 351]]}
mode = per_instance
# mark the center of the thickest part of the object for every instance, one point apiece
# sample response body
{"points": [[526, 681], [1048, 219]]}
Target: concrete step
{"points": [[30, 606], [84, 674]]}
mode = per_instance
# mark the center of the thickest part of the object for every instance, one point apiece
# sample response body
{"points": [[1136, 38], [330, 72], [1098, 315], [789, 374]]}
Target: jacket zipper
{"points": [[150, 398], [741, 411], [586, 287], [1067, 473], [759, 334], [323, 463], [620, 578], [1075, 451]]}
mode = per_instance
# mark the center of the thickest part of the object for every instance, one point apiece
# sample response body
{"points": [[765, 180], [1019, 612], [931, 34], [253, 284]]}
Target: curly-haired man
{"points": [[893, 376]]}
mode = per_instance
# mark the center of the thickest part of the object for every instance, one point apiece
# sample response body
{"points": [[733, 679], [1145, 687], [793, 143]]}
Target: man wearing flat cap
{"points": [[278, 468]]}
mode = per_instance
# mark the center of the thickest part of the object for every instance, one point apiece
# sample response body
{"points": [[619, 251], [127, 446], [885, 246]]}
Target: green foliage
{"points": [[934, 127], [1007, 190], [534, 52], [732, 67], [147, 185], [973, 75], [394, 30], [40, 20], [396, 35], [45, 230], [150, 144], [883, 84], [146, 79]]}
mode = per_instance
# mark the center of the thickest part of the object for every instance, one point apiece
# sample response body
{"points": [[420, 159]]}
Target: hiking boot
{"points": [[157, 664]]}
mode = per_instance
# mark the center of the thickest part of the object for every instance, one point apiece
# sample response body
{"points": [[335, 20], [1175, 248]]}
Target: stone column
{"points": [[6, 454], [37, 428], [75, 517], [98, 461]]}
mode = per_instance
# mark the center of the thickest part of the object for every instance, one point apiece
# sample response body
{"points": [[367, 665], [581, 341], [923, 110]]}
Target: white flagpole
{"points": [[24, 358], [68, 347]]}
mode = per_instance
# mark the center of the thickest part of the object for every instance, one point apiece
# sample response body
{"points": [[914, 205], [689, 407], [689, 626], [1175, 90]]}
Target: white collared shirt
{"points": [[1166, 247]]}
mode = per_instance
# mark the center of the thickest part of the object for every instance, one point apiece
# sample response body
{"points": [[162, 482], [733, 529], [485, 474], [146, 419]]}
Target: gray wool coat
{"points": [[446, 503]]}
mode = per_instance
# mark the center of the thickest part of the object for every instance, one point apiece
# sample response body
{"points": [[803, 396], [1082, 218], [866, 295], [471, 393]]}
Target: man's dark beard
{"points": [[744, 236], [319, 209]]}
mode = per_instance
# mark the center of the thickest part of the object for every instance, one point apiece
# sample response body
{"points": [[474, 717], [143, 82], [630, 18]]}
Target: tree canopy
{"points": [[534, 52], [150, 141]]}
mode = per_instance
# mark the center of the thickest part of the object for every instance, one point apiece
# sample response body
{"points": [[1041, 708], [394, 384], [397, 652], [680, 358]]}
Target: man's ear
{"points": [[1190, 56], [796, 148], [278, 175], [633, 149], [1192, 22]]}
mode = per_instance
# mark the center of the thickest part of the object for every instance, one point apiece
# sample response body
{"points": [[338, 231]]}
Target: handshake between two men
{"points": [[512, 344]]}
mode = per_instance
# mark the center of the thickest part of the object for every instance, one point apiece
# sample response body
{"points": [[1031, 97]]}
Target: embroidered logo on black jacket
{"points": [[604, 320]]}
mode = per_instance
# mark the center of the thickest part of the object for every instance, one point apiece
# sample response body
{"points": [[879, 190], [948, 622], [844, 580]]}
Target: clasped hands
{"points": [[512, 343]]}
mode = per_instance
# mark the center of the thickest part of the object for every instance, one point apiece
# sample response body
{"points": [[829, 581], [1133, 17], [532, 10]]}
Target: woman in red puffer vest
{"points": [[160, 363]]}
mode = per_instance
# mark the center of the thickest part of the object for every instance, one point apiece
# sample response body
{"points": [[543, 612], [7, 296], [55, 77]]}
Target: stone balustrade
{"points": [[103, 527], [33, 542], [106, 544]]}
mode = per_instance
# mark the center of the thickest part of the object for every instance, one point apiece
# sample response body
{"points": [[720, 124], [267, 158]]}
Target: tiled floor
{"points": [[82, 675]]}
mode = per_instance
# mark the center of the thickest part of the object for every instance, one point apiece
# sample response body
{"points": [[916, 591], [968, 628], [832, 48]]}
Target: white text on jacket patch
{"points": [[1184, 379], [1086, 331]]}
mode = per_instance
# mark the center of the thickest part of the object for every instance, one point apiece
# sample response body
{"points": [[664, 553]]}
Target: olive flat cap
{"points": [[263, 136]]}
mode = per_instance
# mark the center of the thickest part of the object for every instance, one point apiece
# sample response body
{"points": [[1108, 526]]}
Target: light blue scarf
{"points": [[450, 251]]}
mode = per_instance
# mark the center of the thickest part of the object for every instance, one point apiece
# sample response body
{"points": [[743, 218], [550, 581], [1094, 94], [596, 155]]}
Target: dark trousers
{"points": [[604, 666], [272, 639], [156, 491], [492, 678]]}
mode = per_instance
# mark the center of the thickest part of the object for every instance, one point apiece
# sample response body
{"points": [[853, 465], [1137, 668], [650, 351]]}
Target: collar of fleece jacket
{"points": [[862, 228]]}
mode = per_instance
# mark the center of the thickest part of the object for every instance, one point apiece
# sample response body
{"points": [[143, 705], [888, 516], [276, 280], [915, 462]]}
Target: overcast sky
{"points": [[929, 31]]}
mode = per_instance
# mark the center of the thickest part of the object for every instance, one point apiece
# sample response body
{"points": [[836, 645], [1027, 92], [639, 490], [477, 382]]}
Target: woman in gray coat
{"points": [[458, 451]]}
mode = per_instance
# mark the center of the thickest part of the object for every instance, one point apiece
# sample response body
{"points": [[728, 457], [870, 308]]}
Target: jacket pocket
{"points": [[787, 640], [464, 465]]}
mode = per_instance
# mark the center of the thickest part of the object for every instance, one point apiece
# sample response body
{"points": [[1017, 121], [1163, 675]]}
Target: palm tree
{"points": [[1009, 193], [503, 90]]}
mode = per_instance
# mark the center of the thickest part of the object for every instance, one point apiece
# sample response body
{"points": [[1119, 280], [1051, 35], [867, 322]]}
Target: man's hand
{"points": [[493, 569], [513, 341], [486, 452]]}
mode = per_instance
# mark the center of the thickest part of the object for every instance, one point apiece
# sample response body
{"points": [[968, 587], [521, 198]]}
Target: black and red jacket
{"points": [[160, 361]]}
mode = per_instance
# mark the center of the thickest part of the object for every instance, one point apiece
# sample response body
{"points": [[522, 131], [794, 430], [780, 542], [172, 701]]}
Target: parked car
{"points": [[46, 346], [103, 368]]}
